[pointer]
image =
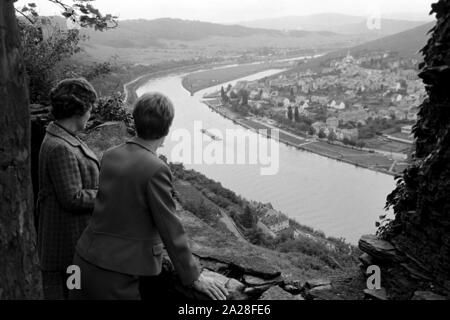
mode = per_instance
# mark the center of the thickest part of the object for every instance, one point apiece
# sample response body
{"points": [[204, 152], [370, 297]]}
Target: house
{"points": [[300, 99], [400, 115], [305, 106], [355, 116], [337, 106], [305, 113], [412, 116], [320, 100], [318, 126], [265, 95], [384, 114], [341, 106], [241, 85], [297, 234], [332, 122], [358, 106], [350, 134], [280, 226], [332, 104], [275, 220], [278, 101], [254, 94], [407, 129]]}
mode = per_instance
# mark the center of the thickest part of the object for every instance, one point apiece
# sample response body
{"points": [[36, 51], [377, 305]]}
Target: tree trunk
{"points": [[19, 272]]}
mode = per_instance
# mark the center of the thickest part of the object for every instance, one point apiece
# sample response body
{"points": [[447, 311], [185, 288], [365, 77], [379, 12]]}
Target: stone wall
{"points": [[421, 201]]}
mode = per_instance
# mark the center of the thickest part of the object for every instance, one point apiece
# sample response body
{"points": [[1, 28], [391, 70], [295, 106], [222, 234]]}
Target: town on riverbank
{"points": [[334, 111]]}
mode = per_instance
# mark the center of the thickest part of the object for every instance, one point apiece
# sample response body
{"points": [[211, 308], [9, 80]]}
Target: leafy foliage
{"points": [[248, 219], [421, 199], [202, 210], [111, 109], [48, 47], [45, 47], [81, 12]]}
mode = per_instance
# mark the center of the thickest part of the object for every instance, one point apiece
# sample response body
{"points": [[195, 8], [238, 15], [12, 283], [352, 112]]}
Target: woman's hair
{"points": [[153, 115], [72, 97]]}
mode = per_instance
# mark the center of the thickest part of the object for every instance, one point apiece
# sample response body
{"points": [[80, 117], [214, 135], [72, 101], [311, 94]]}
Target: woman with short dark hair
{"points": [[68, 182], [135, 217]]}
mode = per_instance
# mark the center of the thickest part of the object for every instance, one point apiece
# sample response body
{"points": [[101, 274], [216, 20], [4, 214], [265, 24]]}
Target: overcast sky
{"points": [[228, 11]]}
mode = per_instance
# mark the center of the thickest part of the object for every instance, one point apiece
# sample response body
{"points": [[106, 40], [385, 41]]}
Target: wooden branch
{"points": [[25, 16]]}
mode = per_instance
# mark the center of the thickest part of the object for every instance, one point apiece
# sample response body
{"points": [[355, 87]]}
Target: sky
{"points": [[230, 11]]}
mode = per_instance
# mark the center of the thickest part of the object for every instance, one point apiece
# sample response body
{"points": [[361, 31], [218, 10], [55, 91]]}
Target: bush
{"points": [[202, 211], [322, 134], [43, 56], [257, 237], [111, 109]]}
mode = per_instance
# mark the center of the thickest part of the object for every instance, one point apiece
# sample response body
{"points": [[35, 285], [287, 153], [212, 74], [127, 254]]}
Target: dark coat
{"points": [[134, 215], [68, 182]]}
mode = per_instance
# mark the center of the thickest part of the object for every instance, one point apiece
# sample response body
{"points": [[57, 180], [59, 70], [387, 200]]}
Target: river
{"points": [[339, 199]]}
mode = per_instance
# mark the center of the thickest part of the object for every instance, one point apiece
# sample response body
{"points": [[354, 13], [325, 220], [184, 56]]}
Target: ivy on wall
{"points": [[421, 200]]}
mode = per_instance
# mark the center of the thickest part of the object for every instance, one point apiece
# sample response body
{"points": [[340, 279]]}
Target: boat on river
{"points": [[209, 134]]}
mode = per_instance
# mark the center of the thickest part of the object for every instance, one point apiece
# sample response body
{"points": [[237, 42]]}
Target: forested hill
{"points": [[338, 23], [144, 33], [407, 44]]}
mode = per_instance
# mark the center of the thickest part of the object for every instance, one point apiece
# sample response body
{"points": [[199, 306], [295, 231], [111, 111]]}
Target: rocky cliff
{"points": [[414, 249]]}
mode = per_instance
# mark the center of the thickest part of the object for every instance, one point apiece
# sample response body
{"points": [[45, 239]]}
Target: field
{"points": [[360, 158], [205, 79], [225, 47], [388, 145]]}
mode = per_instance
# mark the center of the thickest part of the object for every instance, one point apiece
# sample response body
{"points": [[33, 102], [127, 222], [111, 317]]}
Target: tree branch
{"points": [[25, 16], [60, 3]]}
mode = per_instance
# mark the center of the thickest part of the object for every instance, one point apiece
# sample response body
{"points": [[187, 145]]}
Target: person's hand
{"points": [[211, 287]]}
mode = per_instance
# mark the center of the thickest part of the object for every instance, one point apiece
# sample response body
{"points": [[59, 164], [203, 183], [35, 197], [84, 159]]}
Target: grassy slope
{"points": [[205, 79], [153, 41], [215, 46]]}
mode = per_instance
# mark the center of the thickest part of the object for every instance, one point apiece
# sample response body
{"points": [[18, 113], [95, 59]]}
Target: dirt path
{"points": [[226, 219]]}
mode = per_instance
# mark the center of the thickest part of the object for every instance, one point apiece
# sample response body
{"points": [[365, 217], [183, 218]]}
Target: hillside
{"points": [[151, 42], [147, 33], [407, 44], [387, 27], [155, 41], [338, 23], [323, 21]]}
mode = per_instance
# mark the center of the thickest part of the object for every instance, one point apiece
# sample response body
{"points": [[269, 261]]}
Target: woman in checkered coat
{"points": [[68, 182]]}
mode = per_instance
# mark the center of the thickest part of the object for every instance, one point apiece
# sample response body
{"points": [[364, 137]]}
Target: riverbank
{"points": [[224, 71], [333, 217], [202, 80], [131, 87], [359, 158]]}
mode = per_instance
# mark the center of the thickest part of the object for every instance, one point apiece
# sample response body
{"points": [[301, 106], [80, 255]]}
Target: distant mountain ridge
{"points": [[407, 44], [335, 22], [144, 33]]}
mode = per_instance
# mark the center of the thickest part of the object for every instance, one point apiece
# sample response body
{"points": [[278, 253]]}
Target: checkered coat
{"points": [[68, 182]]}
